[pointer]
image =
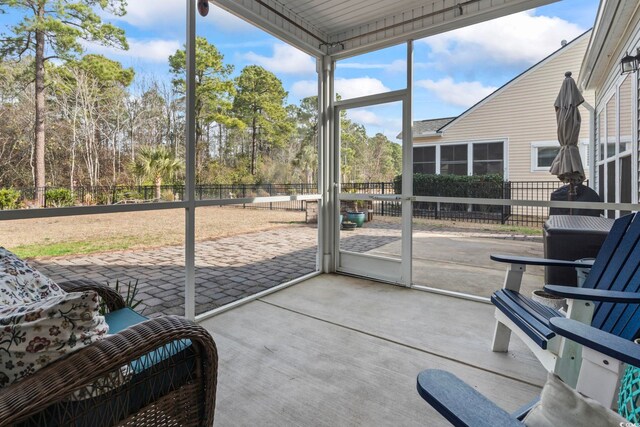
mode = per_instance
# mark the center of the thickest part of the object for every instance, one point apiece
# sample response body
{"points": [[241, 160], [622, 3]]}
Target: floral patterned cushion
{"points": [[34, 335], [20, 284]]}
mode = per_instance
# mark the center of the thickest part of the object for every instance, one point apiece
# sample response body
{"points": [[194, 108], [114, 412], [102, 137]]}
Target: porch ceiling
{"points": [[344, 28]]}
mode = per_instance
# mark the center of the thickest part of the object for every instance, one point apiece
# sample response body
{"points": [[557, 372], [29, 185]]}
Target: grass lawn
{"points": [[51, 237], [34, 238]]}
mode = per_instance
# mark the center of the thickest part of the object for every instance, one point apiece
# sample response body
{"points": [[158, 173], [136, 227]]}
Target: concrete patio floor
{"points": [[230, 268], [340, 351]]}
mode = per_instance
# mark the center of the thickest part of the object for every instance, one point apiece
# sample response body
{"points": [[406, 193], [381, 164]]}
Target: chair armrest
{"points": [[110, 296], [612, 345], [459, 403], [600, 295], [514, 259], [60, 379]]}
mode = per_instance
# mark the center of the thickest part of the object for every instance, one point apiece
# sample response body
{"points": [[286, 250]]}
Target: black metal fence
{"points": [[527, 216], [512, 215], [123, 194]]}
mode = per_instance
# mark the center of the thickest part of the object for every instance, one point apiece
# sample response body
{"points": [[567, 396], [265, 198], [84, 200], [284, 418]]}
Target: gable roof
{"points": [[428, 127], [509, 83]]}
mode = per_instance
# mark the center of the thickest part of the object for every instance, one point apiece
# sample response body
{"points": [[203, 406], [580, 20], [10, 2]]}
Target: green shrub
{"points": [[168, 195], [125, 194], [479, 186], [59, 197], [9, 198], [292, 191], [130, 299], [103, 198]]}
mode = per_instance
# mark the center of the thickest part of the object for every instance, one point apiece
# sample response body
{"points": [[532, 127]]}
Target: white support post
{"points": [[570, 352], [513, 277], [190, 157], [333, 135], [326, 153], [501, 333], [599, 376], [501, 338], [320, 178], [407, 173], [592, 145]]}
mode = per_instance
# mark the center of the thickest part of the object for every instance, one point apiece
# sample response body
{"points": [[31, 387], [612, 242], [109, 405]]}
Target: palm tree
{"points": [[156, 164]]}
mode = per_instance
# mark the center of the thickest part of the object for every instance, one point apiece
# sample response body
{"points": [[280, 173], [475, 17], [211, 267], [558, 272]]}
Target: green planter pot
{"points": [[357, 217]]}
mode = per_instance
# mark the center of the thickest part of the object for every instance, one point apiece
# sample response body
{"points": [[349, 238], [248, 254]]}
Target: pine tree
{"points": [[53, 29]]}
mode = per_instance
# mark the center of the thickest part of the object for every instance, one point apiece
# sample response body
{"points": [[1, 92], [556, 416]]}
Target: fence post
{"points": [[503, 218], [382, 203]]}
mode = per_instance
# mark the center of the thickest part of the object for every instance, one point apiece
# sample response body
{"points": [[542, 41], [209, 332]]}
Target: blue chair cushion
{"points": [[126, 317], [122, 319]]}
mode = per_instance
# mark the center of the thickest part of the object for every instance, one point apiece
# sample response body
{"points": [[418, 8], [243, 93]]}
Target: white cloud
{"points": [[154, 50], [365, 117], [285, 59], [521, 38], [462, 94], [376, 122], [145, 14], [303, 88], [346, 88], [361, 86]]}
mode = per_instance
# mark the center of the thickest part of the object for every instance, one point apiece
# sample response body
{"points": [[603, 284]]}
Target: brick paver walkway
{"points": [[227, 269]]}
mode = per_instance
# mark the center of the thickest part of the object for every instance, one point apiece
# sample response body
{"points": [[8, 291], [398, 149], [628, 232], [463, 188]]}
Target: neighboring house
{"points": [[511, 132], [616, 33]]}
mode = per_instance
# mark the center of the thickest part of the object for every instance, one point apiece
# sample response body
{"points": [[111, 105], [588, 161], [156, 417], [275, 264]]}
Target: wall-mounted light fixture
{"points": [[629, 64]]}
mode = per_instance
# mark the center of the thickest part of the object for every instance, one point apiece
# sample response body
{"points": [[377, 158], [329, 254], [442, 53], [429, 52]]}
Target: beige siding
{"points": [[522, 112]]}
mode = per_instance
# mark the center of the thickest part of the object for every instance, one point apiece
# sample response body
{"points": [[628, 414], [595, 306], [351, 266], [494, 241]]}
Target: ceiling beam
{"points": [[421, 21], [280, 22]]}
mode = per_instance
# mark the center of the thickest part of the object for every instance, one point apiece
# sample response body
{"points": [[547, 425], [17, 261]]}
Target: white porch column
{"points": [[326, 152], [592, 145], [407, 173], [190, 169]]}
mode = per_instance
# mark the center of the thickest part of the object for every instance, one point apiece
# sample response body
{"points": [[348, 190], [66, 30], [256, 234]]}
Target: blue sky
{"points": [[452, 70]]}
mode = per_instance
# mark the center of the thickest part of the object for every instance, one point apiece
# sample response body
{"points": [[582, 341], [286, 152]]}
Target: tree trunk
{"points": [[220, 142], [253, 147], [158, 182], [40, 114]]}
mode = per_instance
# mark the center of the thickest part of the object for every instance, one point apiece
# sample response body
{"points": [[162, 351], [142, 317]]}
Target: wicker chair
{"points": [[160, 372]]}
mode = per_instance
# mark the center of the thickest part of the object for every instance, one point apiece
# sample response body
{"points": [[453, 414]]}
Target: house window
{"points": [[453, 160], [488, 158], [611, 127], [424, 160], [543, 156], [616, 167], [474, 158], [544, 152]]}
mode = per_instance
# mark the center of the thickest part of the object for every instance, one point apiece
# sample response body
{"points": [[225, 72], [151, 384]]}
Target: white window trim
{"points": [[614, 160], [469, 144], [583, 146]]}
